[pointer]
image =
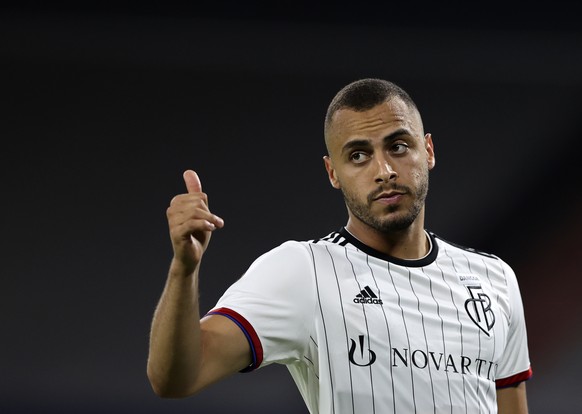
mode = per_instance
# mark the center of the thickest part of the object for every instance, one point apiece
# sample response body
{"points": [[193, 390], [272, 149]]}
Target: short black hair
{"points": [[365, 94]]}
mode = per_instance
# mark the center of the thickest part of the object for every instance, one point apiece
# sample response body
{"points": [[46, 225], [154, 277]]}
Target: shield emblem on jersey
{"points": [[478, 307]]}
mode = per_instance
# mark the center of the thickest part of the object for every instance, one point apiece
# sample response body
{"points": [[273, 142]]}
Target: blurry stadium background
{"points": [[104, 107]]}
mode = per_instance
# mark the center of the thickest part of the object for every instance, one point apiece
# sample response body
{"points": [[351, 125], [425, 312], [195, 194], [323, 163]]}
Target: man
{"points": [[381, 316]]}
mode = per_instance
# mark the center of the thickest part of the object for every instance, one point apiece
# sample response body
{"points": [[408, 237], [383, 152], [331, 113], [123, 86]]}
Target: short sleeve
{"points": [[514, 366], [274, 304]]}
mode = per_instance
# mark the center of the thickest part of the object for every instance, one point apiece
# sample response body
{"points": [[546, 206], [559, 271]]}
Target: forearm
{"points": [[512, 400], [175, 345]]}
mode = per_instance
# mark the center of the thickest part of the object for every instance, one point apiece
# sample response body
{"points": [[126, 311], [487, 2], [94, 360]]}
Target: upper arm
{"points": [[225, 350], [270, 297], [512, 400]]}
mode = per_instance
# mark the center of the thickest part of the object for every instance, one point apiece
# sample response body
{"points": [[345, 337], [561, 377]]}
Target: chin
{"points": [[392, 224]]}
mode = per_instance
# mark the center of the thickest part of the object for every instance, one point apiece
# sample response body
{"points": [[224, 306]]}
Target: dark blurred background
{"points": [[105, 106]]}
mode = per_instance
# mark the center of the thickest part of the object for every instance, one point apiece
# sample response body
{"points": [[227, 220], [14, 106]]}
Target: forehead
{"points": [[376, 122]]}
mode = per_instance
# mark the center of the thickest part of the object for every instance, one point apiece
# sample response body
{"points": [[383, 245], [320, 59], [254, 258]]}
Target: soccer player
{"points": [[380, 316]]}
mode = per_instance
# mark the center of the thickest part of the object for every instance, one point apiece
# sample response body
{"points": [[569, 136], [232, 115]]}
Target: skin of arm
{"points": [[512, 400], [187, 354]]}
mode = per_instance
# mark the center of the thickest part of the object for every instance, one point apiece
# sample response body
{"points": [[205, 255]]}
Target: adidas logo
{"points": [[367, 296]]}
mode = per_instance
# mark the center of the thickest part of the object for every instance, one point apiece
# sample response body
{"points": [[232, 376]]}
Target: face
{"points": [[380, 160]]}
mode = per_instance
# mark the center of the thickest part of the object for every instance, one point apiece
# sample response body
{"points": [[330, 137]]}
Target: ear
{"points": [[429, 146], [331, 172]]}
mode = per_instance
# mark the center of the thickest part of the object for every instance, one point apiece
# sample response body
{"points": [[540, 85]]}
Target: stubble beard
{"points": [[362, 211]]}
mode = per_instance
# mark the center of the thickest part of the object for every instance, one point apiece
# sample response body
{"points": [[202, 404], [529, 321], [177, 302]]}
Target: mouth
{"points": [[390, 197]]}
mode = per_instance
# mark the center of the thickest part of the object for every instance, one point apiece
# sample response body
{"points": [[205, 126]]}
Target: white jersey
{"points": [[363, 332]]}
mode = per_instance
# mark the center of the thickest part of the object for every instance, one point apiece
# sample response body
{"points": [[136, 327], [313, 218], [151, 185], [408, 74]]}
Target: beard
{"points": [[400, 222]]}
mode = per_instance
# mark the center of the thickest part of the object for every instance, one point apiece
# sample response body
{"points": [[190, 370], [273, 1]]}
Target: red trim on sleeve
{"points": [[514, 379], [250, 333]]}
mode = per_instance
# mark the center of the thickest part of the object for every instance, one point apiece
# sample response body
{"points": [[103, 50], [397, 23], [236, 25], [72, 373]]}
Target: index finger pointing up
{"points": [[192, 181]]}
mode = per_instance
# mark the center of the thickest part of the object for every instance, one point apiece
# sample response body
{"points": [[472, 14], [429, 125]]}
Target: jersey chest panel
{"points": [[411, 337]]}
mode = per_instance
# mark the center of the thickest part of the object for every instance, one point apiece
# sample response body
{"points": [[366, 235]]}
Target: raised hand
{"points": [[190, 222]]}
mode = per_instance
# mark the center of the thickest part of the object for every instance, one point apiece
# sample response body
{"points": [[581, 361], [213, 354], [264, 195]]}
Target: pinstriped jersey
{"points": [[363, 332]]}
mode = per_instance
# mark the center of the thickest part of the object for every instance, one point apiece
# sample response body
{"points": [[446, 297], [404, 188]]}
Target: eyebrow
{"points": [[364, 142]]}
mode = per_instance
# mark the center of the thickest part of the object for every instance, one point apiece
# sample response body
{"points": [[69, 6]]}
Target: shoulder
{"points": [[296, 255], [287, 256], [460, 249], [302, 247], [494, 267], [292, 248]]}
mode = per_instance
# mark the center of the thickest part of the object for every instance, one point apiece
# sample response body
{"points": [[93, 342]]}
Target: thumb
{"points": [[192, 181]]}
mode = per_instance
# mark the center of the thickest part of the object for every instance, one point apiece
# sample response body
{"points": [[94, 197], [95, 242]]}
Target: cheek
{"points": [[355, 180], [419, 178], [350, 186], [341, 182], [416, 168]]}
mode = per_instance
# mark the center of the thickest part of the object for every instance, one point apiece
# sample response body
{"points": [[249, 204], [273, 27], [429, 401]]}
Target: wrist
{"points": [[184, 269]]}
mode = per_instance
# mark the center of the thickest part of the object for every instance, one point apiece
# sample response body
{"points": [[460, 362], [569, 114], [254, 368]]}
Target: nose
{"points": [[385, 172]]}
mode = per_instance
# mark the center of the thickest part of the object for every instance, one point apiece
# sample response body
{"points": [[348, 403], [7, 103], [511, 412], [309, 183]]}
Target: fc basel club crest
{"points": [[478, 307]]}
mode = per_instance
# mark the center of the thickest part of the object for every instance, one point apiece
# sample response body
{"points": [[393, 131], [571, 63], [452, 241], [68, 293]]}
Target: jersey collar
{"points": [[423, 261]]}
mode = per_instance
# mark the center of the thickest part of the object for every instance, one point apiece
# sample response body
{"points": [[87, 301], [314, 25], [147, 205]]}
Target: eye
{"points": [[358, 157], [399, 148]]}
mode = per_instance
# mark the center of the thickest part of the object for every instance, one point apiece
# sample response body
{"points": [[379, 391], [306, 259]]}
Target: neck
{"points": [[410, 243]]}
